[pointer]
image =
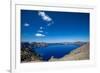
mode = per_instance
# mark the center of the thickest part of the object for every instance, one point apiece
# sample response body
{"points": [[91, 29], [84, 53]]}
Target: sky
{"points": [[51, 26]]}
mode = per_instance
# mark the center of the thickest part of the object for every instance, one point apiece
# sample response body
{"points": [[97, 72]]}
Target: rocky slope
{"points": [[81, 53]]}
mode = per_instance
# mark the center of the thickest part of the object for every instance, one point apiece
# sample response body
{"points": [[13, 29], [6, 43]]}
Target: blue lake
{"points": [[57, 51]]}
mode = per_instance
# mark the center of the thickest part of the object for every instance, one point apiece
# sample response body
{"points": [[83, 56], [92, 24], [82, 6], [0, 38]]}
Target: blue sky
{"points": [[48, 26]]}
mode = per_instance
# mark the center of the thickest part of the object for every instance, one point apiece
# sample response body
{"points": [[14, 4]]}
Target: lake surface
{"points": [[57, 51]]}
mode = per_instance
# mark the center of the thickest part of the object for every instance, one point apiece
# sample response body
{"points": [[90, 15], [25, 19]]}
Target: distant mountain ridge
{"points": [[44, 44]]}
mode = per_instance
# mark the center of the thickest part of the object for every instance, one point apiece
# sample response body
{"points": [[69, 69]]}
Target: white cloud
{"points": [[47, 19], [26, 24], [44, 16], [49, 24], [39, 35]]}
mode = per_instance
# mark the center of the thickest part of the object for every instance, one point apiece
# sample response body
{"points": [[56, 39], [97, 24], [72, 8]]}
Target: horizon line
{"points": [[54, 42]]}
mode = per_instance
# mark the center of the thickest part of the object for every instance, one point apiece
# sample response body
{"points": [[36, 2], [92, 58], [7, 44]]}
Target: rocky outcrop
{"points": [[27, 54], [38, 44]]}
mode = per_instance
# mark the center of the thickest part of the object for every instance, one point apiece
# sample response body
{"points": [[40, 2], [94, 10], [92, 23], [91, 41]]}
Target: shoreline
{"points": [[81, 53]]}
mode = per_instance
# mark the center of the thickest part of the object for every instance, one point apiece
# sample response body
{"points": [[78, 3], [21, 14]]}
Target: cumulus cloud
{"points": [[39, 35], [42, 29], [44, 16]]}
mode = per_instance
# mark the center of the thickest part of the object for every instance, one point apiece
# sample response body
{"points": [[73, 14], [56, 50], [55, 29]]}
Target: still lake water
{"points": [[57, 51]]}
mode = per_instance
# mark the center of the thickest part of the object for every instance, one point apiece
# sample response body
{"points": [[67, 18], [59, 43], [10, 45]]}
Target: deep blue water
{"points": [[57, 51]]}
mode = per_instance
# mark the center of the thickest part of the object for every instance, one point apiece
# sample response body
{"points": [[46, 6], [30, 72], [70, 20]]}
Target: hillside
{"points": [[81, 53]]}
